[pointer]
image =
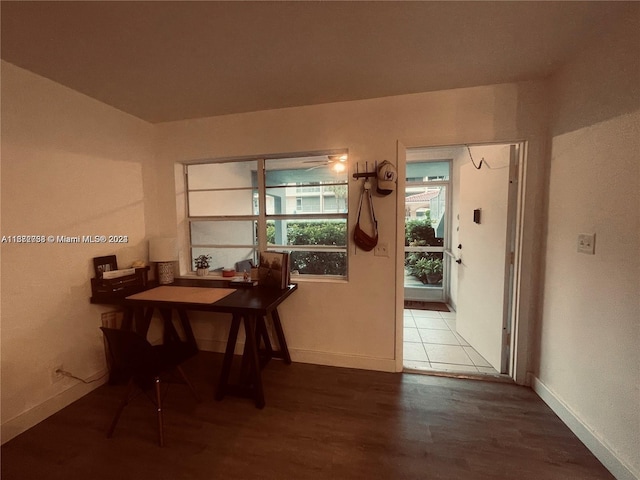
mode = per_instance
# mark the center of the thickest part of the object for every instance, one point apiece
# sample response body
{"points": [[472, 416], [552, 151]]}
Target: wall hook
{"points": [[367, 173]]}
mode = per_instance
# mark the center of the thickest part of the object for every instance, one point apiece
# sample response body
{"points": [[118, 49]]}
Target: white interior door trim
{"points": [[401, 168], [520, 320], [524, 261]]}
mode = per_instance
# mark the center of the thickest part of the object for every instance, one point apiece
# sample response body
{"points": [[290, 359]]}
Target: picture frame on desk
{"points": [[273, 270], [107, 263]]}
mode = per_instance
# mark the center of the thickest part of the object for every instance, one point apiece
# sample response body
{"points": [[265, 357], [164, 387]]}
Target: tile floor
{"points": [[432, 343]]}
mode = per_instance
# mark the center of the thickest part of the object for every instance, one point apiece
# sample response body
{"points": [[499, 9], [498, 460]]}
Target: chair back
{"points": [[129, 351]]}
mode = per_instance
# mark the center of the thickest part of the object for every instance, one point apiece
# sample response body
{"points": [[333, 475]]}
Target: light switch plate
{"points": [[587, 243], [381, 250]]}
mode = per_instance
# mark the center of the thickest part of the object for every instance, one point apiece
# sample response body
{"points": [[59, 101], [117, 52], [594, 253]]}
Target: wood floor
{"points": [[319, 423]]}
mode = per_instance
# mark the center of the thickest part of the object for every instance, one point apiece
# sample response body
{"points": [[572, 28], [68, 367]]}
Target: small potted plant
{"points": [[202, 264]]}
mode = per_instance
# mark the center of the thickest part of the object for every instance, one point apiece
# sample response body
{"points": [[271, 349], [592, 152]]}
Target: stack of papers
{"points": [[118, 273]]}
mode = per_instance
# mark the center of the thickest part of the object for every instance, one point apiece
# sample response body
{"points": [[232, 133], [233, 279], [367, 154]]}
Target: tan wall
{"points": [[356, 323], [588, 366], [70, 166]]}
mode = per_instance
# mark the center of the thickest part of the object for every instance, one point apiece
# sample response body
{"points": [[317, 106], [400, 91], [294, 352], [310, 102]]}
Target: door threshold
{"points": [[425, 305], [487, 377]]}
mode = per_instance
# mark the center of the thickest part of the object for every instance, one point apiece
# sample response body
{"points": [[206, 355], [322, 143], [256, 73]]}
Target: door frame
{"points": [[519, 341]]}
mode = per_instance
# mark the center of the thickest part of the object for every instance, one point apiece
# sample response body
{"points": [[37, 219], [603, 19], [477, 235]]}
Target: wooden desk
{"points": [[247, 305]]}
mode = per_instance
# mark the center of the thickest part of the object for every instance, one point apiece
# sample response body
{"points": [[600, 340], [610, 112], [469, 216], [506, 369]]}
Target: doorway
{"points": [[469, 236]]}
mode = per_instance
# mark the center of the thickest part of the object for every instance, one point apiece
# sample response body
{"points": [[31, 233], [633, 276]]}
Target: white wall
{"points": [[589, 357], [70, 166], [355, 323]]}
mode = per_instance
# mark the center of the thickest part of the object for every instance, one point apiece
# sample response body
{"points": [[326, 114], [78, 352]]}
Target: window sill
{"points": [[206, 277], [217, 281], [191, 279]]}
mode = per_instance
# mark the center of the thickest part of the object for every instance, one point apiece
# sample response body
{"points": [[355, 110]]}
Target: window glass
{"points": [[300, 171], [307, 194], [425, 217], [425, 267], [221, 232], [300, 200], [209, 203], [318, 263], [427, 171], [315, 184], [327, 236], [326, 232], [222, 175], [224, 257]]}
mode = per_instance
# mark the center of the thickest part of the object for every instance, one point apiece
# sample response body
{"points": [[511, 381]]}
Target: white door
{"points": [[484, 250]]}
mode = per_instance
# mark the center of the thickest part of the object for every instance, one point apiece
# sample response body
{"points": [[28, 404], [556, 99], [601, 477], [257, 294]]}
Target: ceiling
{"points": [[165, 61]]}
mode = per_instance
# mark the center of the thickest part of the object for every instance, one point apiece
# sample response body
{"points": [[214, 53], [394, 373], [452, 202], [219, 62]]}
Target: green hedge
{"points": [[319, 263], [309, 232], [418, 232]]}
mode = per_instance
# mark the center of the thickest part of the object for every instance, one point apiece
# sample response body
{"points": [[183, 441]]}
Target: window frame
{"points": [[261, 218]]}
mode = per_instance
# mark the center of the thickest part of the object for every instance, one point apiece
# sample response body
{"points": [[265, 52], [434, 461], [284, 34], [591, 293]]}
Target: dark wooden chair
{"points": [[143, 364]]}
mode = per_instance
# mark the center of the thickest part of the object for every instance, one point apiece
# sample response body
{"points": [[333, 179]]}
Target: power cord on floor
{"points": [[70, 375]]}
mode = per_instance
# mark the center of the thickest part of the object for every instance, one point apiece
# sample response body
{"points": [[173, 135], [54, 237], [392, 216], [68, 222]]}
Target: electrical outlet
{"points": [[587, 243], [381, 250], [56, 373]]}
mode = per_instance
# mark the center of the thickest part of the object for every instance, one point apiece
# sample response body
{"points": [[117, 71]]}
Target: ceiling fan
{"points": [[337, 162]]}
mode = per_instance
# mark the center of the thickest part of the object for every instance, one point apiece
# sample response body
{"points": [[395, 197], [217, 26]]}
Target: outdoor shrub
{"points": [[319, 263], [314, 233], [419, 232]]}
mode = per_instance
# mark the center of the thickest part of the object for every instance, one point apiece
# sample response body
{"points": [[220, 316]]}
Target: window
{"points": [[298, 204], [222, 211], [426, 187]]}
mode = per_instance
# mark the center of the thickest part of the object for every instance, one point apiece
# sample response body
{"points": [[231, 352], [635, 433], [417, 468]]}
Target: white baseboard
{"points": [[345, 361], [23, 422], [316, 358], [598, 447]]}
